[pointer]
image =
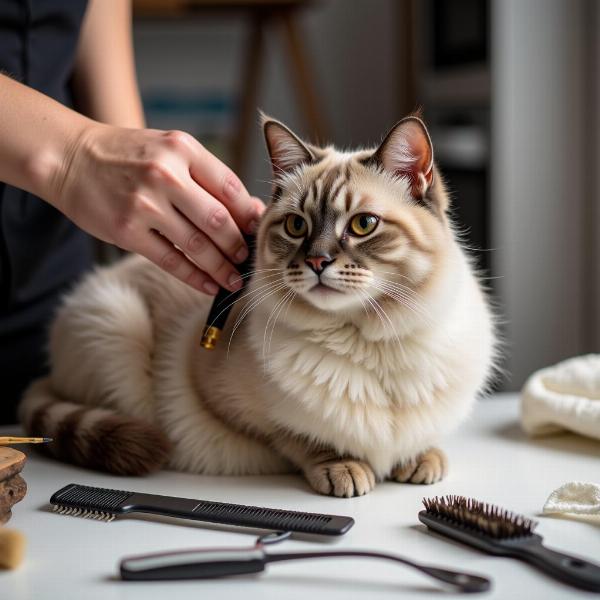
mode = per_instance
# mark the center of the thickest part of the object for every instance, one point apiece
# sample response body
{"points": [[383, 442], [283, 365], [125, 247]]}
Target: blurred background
{"points": [[509, 89]]}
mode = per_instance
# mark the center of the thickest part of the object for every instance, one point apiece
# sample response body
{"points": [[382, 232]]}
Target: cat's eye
{"points": [[295, 226], [363, 224]]}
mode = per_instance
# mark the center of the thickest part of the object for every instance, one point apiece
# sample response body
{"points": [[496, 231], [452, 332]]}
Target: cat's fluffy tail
{"points": [[96, 438]]}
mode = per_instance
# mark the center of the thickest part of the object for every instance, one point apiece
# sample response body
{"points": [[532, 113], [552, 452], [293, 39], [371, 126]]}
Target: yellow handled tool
{"points": [[9, 441]]}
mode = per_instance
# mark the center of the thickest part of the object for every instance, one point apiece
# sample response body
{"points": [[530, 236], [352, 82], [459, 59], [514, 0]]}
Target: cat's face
{"points": [[348, 231]]}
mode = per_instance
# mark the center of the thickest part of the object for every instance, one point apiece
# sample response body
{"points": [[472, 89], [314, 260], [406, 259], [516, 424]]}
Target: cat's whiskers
{"points": [[401, 290], [248, 293], [384, 313], [256, 290], [264, 288], [418, 309], [380, 312], [395, 273], [247, 309], [408, 303], [299, 280], [398, 292], [399, 285], [250, 274], [275, 287], [283, 303], [362, 303], [263, 272], [272, 314], [254, 271]]}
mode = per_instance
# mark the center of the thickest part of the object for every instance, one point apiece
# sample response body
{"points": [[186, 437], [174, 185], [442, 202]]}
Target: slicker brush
{"points": [[501, 532]]}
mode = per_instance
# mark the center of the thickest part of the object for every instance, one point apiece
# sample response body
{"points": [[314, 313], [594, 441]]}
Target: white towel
{"points": [[565, 396], [574, 499]]}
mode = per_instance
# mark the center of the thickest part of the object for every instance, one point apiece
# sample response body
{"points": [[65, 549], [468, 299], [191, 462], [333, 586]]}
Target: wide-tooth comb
{"points": [[106, 504], [501, 532]]}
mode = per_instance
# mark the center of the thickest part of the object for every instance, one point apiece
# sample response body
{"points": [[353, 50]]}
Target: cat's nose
{"points": [[318, 263]]}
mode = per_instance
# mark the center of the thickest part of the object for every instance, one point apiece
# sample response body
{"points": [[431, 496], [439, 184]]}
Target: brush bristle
{"points": [[489, 519], [85, 513]]}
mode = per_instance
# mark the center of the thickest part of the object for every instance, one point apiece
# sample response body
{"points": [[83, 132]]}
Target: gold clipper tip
{"points": [[210, 336]]}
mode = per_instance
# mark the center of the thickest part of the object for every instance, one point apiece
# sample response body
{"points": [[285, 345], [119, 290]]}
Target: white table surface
{"points": [[490, 459]]}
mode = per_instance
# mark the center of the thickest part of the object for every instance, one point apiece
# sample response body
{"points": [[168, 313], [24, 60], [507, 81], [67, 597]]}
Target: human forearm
{"points": [[37, 135], [104, 79], [158, 193]]}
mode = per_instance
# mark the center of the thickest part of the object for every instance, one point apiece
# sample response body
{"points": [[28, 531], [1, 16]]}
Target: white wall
{"points": [[538, 179]]}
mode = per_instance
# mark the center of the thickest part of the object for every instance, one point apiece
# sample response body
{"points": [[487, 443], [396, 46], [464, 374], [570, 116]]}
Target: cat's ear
{"points": [[406, 152], [286, 150]]}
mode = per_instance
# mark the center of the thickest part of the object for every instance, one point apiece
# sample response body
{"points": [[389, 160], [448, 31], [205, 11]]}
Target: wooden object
{"points": [[12, 486], [12, 548]]}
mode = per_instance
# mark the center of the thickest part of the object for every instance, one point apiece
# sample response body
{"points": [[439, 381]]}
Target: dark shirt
{"points": [[41, 252]]}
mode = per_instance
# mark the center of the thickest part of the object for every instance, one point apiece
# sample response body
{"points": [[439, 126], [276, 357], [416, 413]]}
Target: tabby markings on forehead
{"points": [[348, 200], [326, 187], [330, 177], [303, 199]]}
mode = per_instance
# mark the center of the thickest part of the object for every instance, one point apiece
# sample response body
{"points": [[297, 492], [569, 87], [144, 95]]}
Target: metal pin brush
{"points": [[503, 533]]}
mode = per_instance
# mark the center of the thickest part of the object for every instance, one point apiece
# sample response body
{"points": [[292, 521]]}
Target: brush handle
{"points": [[462, 582], [565, 567], [202, 564], [237, 514], [193, 564]]}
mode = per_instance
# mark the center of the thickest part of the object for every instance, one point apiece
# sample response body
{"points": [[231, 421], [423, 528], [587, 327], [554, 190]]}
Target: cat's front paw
{"points": [[341, 478], [429, 467]]}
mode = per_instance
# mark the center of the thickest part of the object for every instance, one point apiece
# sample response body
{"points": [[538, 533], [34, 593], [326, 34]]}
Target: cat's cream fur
{"points": [[348, 386]]}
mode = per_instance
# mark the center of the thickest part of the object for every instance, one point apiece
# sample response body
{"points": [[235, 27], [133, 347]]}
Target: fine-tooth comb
{"points": [[501, 532], [105, 504]]}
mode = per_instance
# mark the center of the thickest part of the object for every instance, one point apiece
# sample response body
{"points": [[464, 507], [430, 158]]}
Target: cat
{"points": [[362, 337]]}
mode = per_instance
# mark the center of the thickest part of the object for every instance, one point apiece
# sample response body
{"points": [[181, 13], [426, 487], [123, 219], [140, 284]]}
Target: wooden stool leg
{"points": [[305, 88], [247, 114]]}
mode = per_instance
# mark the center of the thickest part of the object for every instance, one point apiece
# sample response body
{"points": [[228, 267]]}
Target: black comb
{"points": [[501, 532], [106, 504]]}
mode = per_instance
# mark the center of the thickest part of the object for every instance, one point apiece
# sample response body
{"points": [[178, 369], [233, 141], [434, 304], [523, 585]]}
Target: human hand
{"points": [[160, 194]]}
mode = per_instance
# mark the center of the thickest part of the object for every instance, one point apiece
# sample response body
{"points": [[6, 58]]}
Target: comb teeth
{"points": [[489, 519], [92, 499], [85, 513], [255, 516]]}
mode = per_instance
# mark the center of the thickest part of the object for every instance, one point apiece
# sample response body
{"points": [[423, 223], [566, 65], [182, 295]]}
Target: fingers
{"points": [[221, 183], [199, 247], [163, 254], [199, 207], [260, 208], [211, 217]]}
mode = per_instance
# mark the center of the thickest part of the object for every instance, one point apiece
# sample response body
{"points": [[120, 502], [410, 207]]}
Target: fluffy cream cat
{"points": [[362, 338]]}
